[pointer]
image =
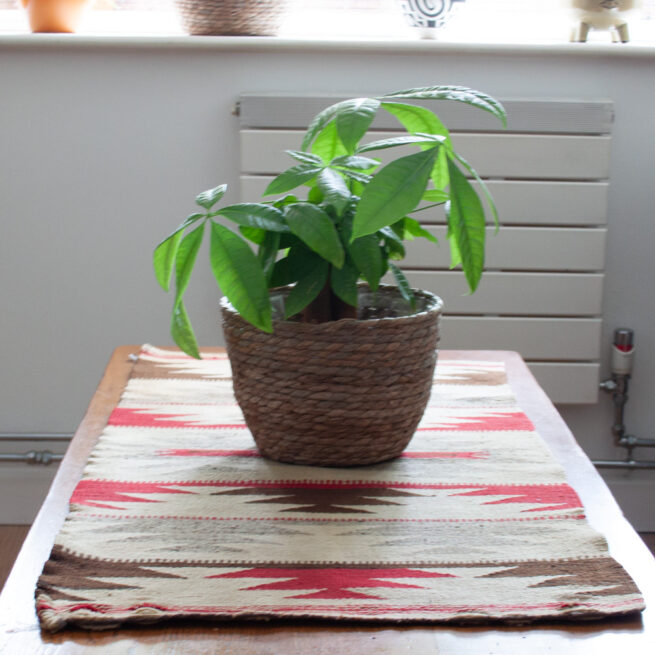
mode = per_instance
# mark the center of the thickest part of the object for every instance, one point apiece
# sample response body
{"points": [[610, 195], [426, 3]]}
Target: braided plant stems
{"points": [[342, 393]]}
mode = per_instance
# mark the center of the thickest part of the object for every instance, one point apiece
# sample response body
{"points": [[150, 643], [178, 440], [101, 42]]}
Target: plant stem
{"points": [[436, 204], [327, 306], [341, 309], [320, 309]]}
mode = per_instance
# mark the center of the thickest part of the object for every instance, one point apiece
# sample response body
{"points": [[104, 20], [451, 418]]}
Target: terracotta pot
{"points": [[55, 15]]}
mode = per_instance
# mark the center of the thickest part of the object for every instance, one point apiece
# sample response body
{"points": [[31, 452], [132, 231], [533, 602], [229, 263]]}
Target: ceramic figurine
{"points": [[609, 15], [427, 15]]}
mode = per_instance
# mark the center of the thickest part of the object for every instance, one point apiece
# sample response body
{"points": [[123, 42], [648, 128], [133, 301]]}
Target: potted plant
{"points": [[328, 370]]}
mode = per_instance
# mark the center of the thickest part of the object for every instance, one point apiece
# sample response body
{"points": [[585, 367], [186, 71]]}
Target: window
{"points": [[482, 21]]}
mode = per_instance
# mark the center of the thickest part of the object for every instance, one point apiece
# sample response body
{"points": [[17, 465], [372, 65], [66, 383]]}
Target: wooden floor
{"points": [[649, 540], [12, 536], [11, 539]]}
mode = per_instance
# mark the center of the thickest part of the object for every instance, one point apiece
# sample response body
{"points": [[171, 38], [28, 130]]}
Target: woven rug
{"points": [[177, 516]]}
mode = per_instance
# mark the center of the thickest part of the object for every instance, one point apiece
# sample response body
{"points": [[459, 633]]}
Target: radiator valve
{"points": [[623, 352]]}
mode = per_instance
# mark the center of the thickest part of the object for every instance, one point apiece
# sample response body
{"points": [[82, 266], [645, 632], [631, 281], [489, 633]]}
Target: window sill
{"points": [[268, 44]]}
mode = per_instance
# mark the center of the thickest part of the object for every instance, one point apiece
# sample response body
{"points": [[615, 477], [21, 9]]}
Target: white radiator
{"points": [[548, 172]]}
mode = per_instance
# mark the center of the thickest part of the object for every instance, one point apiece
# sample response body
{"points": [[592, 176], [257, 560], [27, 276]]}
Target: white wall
{"points": [[102, 149]]}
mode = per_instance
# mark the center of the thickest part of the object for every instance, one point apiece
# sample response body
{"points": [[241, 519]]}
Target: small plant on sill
{"points": [[350, 225]]}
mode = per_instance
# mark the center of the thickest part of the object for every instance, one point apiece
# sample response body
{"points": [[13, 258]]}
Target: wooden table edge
{"points": [[629, 550]]}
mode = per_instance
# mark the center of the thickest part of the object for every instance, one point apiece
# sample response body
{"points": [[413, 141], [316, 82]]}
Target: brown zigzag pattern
{"points": [[69, 570], [332, 501], [601, 572]]}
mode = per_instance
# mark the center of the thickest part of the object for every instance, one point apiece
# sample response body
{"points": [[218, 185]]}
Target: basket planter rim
{"points": [[434, 306]]}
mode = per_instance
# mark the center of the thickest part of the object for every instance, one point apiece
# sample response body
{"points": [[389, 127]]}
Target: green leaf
{"points": [[165, 252], [190, 220], [164, 257], [366, 255], [334, 189], [356, 162], [436, 196], [209, 198], [393, 192], [393, 243], [392, 142], [483, 186], [456, 93], [344, 282], [417, 119], [399, 230], [285, 200], [413, 227], [313, 226], [182, 331], [466, 225], [254, 234], [240, 276], [362, 178], [439, 173], [320, 121], [267, 254], [255, 214], [353, 120], [282, 274], [185, 259], [328, 144], [314, 195], [345, 227], [292, 178], [299, 261], [307, 288], [305, 157], [455, 255], [289, 240], [403, 285]]}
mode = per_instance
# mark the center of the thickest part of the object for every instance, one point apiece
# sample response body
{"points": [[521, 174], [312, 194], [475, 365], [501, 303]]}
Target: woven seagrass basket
{"points": [[231, 17], [344, 393]]}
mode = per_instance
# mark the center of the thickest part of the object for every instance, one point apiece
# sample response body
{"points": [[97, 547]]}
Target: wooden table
{"points": [[20, 634]]}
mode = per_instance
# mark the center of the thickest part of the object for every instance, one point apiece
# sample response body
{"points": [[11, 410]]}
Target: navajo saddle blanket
{"points": [[177, 515]]}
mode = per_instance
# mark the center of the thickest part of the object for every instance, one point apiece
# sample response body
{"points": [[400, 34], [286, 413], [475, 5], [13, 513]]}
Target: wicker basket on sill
{"points": [[231, 17]]}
